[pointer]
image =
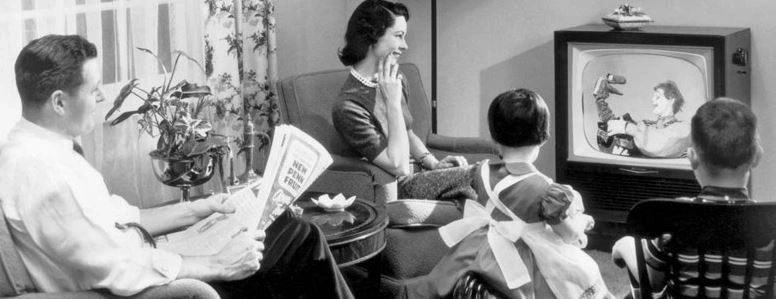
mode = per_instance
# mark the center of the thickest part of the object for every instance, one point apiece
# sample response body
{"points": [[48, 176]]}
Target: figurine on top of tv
{"points": [[664, 137]]}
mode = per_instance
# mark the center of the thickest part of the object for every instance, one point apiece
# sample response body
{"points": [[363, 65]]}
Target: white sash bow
{"points": [[502, 236]]}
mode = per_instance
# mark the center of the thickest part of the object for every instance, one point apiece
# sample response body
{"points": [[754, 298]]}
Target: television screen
{"points": [[632, 104]]}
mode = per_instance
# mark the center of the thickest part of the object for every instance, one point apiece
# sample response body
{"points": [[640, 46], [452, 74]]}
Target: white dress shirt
{"points": [[63, 219]]}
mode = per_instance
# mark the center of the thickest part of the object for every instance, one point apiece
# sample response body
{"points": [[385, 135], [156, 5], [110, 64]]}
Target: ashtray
{"points": [[338, 203]]}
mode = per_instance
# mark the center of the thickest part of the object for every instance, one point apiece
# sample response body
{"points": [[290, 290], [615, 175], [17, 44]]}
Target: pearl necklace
{"points": [[365, 81]]}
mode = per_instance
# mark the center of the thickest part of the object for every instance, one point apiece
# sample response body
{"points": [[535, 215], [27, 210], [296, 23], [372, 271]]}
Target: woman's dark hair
{"points": [[519, 117], [367, 24], [51, 63], [724, 134]]}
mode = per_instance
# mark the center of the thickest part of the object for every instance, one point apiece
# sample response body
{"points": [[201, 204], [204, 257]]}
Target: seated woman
{"points": [[523, 232], [373, 115]]}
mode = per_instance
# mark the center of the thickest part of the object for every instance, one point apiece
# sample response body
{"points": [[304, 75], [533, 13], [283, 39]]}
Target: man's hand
{"points": [[241, 257], [167, 218], [616, 126], [213, 204], [450, 161]]}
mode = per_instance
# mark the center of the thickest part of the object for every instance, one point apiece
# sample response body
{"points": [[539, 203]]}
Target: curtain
{"points": [[116, 27], [241, 68]]}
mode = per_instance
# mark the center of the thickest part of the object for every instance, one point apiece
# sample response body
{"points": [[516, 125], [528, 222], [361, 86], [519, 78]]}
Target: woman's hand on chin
{"points": [[389, 80]]}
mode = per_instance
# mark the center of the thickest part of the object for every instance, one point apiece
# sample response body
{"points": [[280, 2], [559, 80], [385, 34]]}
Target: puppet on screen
{"points": [[663, 136]]}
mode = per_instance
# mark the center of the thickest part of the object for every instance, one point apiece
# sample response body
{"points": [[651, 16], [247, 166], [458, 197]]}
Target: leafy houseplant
{"points": [[187, 147]]}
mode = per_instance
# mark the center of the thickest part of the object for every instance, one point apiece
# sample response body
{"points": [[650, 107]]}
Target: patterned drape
{"points": [[241, 68]]}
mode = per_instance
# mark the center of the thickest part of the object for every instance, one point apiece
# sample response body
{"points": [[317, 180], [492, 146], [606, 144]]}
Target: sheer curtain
{"points": [[116, 27]]}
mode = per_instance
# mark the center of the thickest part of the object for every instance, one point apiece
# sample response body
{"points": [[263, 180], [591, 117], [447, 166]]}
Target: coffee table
{"points": [[354, 235]]}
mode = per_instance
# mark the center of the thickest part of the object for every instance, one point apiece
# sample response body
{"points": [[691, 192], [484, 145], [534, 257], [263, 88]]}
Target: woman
{"points": [[373, 116]]}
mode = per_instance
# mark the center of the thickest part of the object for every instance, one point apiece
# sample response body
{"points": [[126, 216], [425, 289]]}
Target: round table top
{"points": [[359, 220]]}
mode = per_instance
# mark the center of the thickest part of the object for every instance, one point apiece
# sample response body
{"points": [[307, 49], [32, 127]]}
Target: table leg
{"points": [[375, 270]]}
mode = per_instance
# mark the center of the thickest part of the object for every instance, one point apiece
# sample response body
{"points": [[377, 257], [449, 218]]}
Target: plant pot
{"points": [[184, 173]]}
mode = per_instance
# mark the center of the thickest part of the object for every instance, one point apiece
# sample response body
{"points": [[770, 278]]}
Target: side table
{"points": [[354, 235]]}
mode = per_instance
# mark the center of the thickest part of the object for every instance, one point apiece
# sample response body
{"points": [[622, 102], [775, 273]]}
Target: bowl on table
{"points": [[336, 203]]}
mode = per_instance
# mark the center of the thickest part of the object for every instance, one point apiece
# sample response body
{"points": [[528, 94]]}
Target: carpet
{"points": [[616, 278]]}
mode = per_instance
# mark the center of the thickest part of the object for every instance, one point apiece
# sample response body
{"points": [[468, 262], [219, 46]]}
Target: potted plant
{"points": [[187, 151]]}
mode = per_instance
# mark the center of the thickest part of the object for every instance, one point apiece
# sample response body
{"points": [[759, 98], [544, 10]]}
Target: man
{"points": [[665, 137], [73, 235], [723, 152]]}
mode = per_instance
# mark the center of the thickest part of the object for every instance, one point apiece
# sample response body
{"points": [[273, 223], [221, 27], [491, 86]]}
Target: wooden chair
{"points": [[16, 281], [717, 227]]}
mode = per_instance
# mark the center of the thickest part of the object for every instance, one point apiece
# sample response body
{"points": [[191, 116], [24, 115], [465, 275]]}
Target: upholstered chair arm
{"points": [[181, 288], [378, 175], [464, 145], [354, 176], [67, 295]]}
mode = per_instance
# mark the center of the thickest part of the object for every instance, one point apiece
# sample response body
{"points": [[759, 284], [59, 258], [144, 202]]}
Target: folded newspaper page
{"points": [[294, 162]]}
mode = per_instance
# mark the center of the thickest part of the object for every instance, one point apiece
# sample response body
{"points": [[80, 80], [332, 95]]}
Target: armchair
{"points": [[306, 101], [717, 229], [15, 281]]}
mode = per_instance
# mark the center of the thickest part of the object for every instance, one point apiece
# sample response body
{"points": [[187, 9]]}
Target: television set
{"points": [[624, 100]]}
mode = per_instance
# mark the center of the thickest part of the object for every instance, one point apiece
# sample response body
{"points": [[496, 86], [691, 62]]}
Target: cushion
{"points": [[421, 212]]}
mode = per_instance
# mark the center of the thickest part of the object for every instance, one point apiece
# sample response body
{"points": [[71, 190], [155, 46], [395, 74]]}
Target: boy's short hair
{"points": [[51, 63], [519, 117], [724, 133]]}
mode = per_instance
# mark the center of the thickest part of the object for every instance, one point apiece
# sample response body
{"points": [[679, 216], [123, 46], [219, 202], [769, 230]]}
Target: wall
{"points": [[490, 46]]}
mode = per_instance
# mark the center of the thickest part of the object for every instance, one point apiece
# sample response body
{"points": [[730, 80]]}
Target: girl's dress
{"points": [[518, 236]]}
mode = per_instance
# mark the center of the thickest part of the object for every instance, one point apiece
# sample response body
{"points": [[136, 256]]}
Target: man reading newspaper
{"points": [[72, 234], [295, 161]]}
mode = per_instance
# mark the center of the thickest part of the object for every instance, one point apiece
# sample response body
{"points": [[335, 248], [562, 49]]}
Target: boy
{"points": [[724, 150]]}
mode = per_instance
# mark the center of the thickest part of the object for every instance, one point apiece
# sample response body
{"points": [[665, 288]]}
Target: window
{"points": [[116, 27]]}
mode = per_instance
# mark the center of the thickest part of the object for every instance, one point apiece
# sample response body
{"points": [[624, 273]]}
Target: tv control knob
{"points": [[740, 57]]}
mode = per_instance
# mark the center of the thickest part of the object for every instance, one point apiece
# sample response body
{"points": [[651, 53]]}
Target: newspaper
{"points": [[294, 162]]}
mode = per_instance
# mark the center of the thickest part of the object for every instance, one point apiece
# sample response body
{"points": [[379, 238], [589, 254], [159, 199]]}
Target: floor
{"points": [[616, 278]]}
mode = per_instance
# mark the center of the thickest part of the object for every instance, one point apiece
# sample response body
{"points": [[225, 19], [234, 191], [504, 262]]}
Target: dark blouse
{"points": [[354, 118]]}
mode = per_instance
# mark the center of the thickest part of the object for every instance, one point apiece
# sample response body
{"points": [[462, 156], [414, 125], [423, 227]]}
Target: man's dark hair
{"points": [[51, 63], [724, 133], [671, 91], [519, 118], [367, 24]]}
